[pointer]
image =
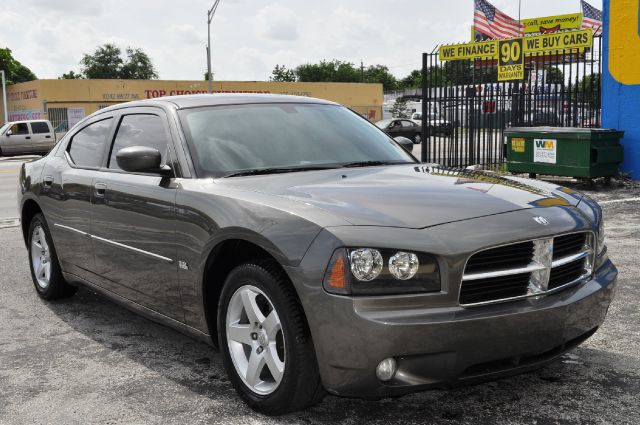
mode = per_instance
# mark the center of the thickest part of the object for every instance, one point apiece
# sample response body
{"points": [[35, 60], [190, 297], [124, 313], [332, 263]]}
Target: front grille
{"points": [[530, 268], [501, 258], [566, 273], [566, 245], [482, 290]]}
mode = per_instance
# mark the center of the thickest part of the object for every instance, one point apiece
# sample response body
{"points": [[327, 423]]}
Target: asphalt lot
{"points": [[88, 361], [9, 169]]}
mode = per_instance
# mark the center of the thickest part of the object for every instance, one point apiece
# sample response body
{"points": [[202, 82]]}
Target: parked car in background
{"points": [[311, 249], [402, 127], [26, 137], [436, 125]]}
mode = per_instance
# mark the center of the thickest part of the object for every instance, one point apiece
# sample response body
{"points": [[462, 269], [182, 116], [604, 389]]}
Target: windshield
{"points": [[4, 127], [234, 138], [383, 123]]}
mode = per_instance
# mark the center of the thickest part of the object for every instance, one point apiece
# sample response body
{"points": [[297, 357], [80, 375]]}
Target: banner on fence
{"points": [[550, 24], [545, 43]]}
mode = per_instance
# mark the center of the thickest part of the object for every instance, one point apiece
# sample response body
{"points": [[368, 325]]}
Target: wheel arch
{"points": [[29, 209], [222, 259]]}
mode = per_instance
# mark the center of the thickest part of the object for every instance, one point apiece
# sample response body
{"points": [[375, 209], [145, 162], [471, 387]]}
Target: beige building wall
{"points": [[58, 100]]}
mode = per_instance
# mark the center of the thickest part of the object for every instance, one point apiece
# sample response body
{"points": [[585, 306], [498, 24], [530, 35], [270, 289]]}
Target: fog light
{"points": [[403, 265], [386, 369]]}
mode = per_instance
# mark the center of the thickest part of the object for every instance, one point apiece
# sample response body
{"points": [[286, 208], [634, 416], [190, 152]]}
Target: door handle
{"points": [[28, 137], [47, 137], [100, 189], [47, 181]]}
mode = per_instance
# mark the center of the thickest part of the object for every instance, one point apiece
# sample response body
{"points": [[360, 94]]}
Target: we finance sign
{"points": [[546, 43]]}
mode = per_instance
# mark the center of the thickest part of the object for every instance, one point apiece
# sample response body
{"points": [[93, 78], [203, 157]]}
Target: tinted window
{"points": [[20, 128], [87, 145], [139, 130], [39, 127], [408, 124], [230, 138]]}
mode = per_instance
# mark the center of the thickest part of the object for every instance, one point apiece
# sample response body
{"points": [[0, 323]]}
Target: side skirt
{"points": [[142, 310]]}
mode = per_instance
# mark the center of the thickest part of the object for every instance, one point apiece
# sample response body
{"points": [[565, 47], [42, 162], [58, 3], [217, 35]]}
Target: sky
{"points": [[249, 37]]}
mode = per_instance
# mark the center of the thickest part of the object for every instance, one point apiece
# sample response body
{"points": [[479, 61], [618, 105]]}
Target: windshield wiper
{"points": [[373, 163], [277, 170]]}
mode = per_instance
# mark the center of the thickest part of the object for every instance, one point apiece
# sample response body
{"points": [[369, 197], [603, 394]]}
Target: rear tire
{"points": [[417, 139], [43, 261], [262, 328]]}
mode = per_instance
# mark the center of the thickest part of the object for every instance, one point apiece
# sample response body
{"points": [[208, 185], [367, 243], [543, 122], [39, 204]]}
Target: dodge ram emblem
{"points": [[541, 220]]}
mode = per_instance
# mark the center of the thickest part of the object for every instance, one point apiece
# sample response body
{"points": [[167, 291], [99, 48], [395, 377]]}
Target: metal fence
{"points": [[465, 110]]}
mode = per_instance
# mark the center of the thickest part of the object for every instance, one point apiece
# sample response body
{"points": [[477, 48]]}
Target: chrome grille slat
{"points": [[525, 269]]}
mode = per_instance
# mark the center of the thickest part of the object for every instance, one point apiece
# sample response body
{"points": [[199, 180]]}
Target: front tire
{"points": [[265, 341], [43, 261]]}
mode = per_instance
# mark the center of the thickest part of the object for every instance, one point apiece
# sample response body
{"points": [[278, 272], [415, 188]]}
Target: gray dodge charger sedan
{"points": [[315, 252]]}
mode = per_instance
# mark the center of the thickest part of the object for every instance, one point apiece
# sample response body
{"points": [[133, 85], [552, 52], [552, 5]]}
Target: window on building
{"points": [[59, 119], [139, 130], [87, 146]]}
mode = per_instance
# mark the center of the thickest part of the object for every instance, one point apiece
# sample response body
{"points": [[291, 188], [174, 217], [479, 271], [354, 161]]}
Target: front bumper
{"points": [[444, 346]]}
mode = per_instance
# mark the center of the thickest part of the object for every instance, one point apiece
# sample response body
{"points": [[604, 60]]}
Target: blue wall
{"points": [[621, 78]]}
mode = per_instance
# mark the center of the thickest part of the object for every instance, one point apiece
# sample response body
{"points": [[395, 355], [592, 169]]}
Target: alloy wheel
{"points": [[40, 257], [255, 340]]}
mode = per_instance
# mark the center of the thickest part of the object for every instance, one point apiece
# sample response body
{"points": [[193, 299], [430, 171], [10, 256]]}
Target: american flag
{"points": [[592, 18], [494, 24]]}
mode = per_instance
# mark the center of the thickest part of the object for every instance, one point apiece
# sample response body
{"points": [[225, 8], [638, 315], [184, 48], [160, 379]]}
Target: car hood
{"points": [[408, 196]]}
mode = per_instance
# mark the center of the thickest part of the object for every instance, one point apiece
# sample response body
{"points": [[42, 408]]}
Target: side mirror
{"points": [[141, 159], [9, 133], [407, 144]]}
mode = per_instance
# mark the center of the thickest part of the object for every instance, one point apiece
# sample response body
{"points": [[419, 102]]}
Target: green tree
{"points": [[282, 74], [380, 74], [554, 75], [138, 66], [328, 71], [15, 72], [588, 90], [411, 81], [71, 75], [107, 63], [399, 108]]}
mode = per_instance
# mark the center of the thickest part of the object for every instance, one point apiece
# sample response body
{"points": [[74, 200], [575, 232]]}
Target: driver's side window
{"points": [[18, 129], [139, 130]]}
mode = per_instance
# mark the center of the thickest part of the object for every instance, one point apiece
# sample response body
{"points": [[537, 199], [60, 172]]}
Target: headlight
{"points": [[601, 247], [403, 265], [375, 271], [366, 263]]}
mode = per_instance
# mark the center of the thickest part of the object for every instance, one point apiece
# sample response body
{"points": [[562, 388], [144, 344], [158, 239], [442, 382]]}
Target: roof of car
{"points": [[196, 100]]}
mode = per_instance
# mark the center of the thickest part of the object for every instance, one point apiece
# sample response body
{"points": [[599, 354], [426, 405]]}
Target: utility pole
{"points": [[4, 98], [361, 72], [210, 14]]}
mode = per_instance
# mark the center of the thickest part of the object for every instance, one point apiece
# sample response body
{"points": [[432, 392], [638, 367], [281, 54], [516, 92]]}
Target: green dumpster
{"points": [[564, 151]]}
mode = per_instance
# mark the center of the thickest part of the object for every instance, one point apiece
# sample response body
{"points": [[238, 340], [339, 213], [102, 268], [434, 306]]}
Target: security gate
{"points": [[465, 110]]}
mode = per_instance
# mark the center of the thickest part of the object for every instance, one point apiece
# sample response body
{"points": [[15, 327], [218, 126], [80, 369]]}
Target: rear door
{"points": [[133, 218], [67, 191], [41, 136]]}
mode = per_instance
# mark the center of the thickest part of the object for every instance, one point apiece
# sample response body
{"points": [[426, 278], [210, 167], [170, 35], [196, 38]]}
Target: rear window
{"points": [[87, 146], [39, 127]]}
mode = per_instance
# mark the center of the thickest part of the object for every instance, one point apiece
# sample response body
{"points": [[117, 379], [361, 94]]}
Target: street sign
{"points": [[510, 60]]}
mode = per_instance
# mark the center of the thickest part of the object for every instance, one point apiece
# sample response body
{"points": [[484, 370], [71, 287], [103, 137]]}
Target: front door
{"points": [[17, 140], [133, 219]]}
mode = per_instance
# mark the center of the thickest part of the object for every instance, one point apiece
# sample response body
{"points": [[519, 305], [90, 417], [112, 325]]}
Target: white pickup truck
{"points": [[26, 137]]}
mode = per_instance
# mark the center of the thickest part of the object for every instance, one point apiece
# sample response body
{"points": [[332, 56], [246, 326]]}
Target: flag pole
{"points": [[519, 10]]}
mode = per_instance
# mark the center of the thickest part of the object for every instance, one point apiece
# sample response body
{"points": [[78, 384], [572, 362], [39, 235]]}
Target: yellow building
{"points": [[65, 102]]}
